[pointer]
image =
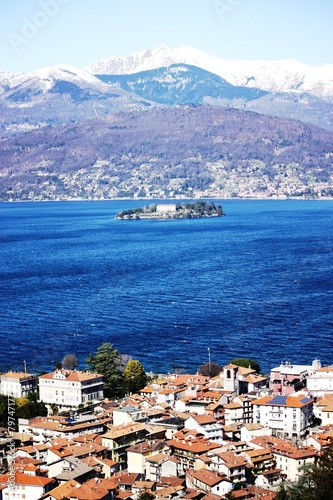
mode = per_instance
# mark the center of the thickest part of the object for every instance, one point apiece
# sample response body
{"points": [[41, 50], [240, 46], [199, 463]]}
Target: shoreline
{"points": [[236, 198]]}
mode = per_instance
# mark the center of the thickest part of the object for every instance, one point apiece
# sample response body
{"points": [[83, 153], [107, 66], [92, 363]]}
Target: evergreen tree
{"points": [[246, 363], [316, 481], [29, 406], [146, 495], [3, 411], [282, 493], [135, 376], [107, 362]]}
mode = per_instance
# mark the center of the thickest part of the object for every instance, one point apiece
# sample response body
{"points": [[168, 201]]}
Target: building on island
{"points": [[166, 208], [70, 388]]}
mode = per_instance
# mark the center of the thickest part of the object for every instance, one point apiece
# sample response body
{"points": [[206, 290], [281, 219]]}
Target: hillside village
{"points": [[185, 436]]}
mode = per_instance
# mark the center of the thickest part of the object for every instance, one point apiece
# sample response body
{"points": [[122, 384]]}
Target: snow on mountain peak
{"points": [[274, 76], [46, 78]]}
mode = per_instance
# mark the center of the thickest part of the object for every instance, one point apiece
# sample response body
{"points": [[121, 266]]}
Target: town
{"points": [[237, 434]]}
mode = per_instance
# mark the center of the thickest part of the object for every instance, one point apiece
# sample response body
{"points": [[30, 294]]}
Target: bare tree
{"points": [[70, 362]]}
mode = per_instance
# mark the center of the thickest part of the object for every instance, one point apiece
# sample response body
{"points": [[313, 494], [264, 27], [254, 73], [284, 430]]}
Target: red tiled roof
{"points": [[25, 479], [71, 375]]}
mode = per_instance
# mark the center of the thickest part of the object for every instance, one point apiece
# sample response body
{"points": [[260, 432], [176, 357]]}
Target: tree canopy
{"points": [[108, 362], [135, 376], [146, 495], [246, 363], [316, 481], [210, 369], [25, 407], [69, 362]]}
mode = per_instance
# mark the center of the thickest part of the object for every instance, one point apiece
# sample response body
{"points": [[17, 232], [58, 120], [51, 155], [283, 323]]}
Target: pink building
{"points": [[287, 378]]}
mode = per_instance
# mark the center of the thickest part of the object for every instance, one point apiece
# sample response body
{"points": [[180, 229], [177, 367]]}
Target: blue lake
{"points": [[257, 283]]}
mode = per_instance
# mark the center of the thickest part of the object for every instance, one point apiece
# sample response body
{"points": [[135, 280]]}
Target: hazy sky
{"points": [[38, 33]]}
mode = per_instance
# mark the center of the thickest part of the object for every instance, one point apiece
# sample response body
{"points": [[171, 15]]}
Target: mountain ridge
{"points": [[180, 152], [183, 84], [272, 76]]}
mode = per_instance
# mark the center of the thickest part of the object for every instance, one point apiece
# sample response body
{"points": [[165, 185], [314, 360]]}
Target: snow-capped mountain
{"points": [[57, 79], [182, 84], [273, 76], [9, 80], [62, 94]]}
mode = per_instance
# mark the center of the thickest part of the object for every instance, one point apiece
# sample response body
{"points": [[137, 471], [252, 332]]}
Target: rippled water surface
{"points": [[256, 283]]}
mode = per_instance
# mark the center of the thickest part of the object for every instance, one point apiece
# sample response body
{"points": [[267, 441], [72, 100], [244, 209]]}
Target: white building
{"points": [[127, 414], [250, 431], [51, 427], [18, 384], [70, 388], [166, 208], [321, 382], [285, 415], [323, 409], [26, 487], [160, 465], [206, 425], [290, 459]]}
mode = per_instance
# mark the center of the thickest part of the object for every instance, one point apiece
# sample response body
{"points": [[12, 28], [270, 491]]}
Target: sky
{"points": [[40, 33]]}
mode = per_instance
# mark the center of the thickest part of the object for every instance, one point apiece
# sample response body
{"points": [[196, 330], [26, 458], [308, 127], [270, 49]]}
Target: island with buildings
{"points": [[196, 210], [238, 434]]}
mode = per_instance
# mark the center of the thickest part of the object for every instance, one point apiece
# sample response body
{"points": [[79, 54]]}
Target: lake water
{"points": [[257, 283]]}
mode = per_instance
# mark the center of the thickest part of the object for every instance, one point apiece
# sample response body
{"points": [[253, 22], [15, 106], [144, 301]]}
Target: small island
{"points": [[195, 210]]}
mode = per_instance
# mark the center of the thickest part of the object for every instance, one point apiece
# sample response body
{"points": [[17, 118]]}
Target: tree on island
{"points": [[69, 362], [135, 376], [108, 362], [247, 363]]}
